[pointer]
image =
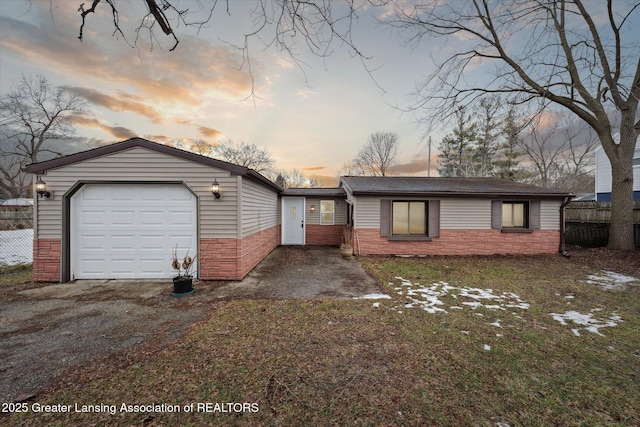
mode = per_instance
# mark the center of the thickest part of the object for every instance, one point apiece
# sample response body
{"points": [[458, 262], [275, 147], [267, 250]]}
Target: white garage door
{"points": [[127, 231]]}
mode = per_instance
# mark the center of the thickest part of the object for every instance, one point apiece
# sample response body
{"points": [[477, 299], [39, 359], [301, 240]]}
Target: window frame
{"points": [[525, 214], [333, 212], [532, 215], [425, 204]]}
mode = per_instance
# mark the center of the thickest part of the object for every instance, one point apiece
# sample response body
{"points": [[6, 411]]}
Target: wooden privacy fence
{"points": [[587, 223], [595, 212]]}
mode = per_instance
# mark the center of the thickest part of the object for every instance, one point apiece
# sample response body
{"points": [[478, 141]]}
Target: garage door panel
{"points": [[91, 218], [124, 194], [129, 230], [178, 218], [123, 217], [150, 243], [153, 219], [93, 243], [93, 266]]}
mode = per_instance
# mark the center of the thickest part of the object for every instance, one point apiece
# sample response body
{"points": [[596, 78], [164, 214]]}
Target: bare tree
{"points": [[560, 155], [13, 181], [378, 156], [247, 155], [549, 51], [291, 179], [276, 23], [33, 115]]}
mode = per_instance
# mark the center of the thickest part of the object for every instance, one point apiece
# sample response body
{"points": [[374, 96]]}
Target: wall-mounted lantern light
{"points": [[41, 188], [215, 189], [313, 208]]}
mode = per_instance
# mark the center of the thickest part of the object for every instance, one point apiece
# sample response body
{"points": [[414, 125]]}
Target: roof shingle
{"points": [[421, 186]]}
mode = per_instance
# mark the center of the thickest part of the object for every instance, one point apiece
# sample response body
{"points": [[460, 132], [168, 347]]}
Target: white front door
{"points": [[127, 231], [293, 220]]}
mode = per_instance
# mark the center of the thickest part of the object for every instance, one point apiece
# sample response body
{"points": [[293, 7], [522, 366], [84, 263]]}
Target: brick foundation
{"points": [[255, 247], [329, 235], [460, 242], [46, 260], [232, 259]]}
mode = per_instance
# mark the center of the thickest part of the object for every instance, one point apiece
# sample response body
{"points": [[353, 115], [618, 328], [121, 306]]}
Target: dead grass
{"points": [[337, 362], [15, 278]]}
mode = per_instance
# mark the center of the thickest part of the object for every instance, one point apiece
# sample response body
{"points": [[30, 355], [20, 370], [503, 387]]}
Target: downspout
{"points": [[563, 250]]}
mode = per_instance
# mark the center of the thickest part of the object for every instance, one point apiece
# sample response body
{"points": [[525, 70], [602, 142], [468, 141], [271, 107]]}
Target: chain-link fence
{"points": [[16, 235]]}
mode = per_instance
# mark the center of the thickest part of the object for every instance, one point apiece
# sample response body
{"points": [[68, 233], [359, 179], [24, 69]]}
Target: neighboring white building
{"points": [[603, 175]]}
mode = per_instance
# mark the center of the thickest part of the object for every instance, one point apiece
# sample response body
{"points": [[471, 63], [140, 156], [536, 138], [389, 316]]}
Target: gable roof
{"points": [[41, 167], [422, 186]]}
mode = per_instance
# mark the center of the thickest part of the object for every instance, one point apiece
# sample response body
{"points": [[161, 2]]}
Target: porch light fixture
{"points": [[215, 189], [313, 208], [41, 188]]}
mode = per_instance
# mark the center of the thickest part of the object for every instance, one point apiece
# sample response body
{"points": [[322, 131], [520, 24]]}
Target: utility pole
{"points": [[429, 158]]}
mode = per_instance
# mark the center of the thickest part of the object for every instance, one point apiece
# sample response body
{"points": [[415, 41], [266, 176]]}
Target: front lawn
{"points": [[490, 341]]}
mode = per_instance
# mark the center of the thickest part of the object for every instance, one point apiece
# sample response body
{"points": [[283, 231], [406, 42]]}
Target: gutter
{"points": [[562, 249]]}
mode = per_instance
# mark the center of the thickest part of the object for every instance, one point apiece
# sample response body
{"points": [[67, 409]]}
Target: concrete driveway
{"points": [[303, 272], [55, 334]]}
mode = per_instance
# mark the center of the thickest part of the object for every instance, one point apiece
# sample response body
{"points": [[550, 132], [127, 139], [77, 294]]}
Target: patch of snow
{"points": [[374, 296], [376, 304], [496, 324], [611, 281], [590, 323], [431, 298], [486, 347], [16, 246]]}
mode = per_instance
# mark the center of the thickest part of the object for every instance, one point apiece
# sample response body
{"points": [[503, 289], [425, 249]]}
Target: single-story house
{"points": [[603, 175], [453, 216], [120, 210]]}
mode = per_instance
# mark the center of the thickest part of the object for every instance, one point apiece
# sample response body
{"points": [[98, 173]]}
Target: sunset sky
{"points": [[314, 116]]}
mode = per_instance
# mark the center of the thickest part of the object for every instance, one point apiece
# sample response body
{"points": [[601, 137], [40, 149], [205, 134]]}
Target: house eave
{"points": [[41, 167], [492, 195]]}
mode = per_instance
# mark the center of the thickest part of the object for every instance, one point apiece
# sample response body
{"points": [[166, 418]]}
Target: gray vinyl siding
{"points": [[259, 208], [367, 212], [550, 214], [455, 213], [217, 219], [465, 214], [340, 210]]}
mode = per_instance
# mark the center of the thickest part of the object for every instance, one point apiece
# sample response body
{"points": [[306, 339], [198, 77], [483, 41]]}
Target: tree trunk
{"points": [[621, 227]]}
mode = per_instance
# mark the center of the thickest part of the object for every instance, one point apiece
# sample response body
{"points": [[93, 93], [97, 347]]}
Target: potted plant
{"points": [[346, 248], [183, 282]]}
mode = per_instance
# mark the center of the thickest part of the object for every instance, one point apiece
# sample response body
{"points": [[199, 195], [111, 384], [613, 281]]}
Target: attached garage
{"points": [[118, 211], [129, 230]]}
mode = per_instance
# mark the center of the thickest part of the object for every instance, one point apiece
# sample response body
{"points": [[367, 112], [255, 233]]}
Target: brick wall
{"points": [[316, 234], [218, 259], [460, 242], [255, 247], [46, 260], [232, 259]]}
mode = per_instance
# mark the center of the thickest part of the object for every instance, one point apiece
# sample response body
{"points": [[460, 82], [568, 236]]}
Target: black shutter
{"points": [[434, 218], [534, 214], [496, 214], [385, 217]]}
